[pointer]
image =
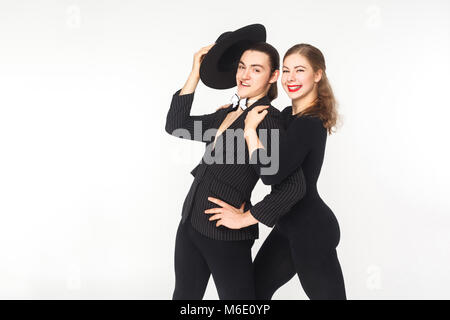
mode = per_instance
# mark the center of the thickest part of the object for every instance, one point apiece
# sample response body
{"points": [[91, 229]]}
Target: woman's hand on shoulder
{"points": [[255, 116]]}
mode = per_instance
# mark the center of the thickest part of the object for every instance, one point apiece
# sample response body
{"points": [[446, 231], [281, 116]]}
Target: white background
{"points": [[91, 186]]}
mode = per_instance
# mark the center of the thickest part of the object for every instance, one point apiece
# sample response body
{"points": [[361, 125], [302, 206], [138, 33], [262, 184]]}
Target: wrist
{"points": [[249, 219], [249, 131]]}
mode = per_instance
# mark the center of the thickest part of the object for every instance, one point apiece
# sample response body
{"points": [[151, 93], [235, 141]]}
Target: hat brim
{"points": [[218, 68]]}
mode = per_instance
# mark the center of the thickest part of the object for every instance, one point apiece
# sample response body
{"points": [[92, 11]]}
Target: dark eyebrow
{"points": [[299, 66], [253, 65], [257, 65]]}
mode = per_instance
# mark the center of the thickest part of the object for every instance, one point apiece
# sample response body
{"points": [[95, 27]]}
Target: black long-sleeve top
{"points": [[302, 144], [230, 182]]}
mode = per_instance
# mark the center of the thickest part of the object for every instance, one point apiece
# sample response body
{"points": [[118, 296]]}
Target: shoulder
{"points": [[287, 111], [273, 110], [311, 120], [312, 125], [272, 119]]}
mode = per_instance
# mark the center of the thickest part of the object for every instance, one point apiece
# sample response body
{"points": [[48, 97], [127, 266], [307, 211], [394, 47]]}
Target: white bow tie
{"points": [[235, 100]]}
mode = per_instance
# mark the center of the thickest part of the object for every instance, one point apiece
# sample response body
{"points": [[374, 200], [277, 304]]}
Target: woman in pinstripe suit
{"points": [[201, 247], [304, 240]]}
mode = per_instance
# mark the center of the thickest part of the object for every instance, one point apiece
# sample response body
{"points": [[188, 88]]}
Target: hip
{"points": [[310, 216]]}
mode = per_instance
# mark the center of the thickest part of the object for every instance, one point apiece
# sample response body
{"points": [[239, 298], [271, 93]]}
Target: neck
{"points": [[252, 100], [303, 103]]}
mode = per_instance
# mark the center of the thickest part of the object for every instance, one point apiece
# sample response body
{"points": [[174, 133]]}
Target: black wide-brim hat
{"points": [[219, 65]]}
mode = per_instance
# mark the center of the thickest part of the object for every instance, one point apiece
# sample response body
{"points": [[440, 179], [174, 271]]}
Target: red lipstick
{"points": [[294, 88]]}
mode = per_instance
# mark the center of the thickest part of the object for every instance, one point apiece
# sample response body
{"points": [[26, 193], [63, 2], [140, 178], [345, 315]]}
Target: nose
{"points": [[246, 74], [291, 77]]}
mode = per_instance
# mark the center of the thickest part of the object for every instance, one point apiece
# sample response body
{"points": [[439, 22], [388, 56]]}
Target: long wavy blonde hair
{"points": [[325, 106]]}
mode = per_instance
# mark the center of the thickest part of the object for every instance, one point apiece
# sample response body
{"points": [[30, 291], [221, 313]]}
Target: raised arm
{"points": [[179, 121]]}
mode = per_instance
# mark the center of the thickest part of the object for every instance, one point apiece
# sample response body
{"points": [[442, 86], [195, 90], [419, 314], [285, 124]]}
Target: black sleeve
{"points": [[295, 143], [181, 124], [281, 199], [268, 133]]}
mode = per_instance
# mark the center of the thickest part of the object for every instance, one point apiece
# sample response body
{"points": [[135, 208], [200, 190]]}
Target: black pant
{"points": [[197, 257], [310, 253]]}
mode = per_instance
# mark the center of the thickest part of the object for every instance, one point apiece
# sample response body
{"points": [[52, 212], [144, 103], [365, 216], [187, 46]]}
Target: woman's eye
{"points": [[284, 71], [257, 70], [300, 70]]}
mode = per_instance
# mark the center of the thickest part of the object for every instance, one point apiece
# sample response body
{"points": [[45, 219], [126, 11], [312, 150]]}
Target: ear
{"points": [[274, 77], [318, 75]]}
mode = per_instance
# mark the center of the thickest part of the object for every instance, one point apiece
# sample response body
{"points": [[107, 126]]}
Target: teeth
{"points": [[244, 84]]}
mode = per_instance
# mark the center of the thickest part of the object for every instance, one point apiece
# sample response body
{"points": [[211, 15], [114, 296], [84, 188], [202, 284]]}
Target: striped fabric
{"points": [[231, 181]]}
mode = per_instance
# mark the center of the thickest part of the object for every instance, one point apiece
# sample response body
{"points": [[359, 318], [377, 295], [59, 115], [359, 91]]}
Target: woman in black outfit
{"points": [[304, 241]]}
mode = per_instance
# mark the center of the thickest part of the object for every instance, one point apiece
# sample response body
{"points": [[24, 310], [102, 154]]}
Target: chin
{"points": [[294, 95], [243, 93]]}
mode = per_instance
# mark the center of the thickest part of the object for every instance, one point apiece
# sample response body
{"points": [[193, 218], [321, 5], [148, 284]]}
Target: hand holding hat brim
{"points": [[218, 67]]}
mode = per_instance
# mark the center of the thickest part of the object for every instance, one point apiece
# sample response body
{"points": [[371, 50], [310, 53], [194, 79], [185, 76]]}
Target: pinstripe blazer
{"points": [[231, 181]]}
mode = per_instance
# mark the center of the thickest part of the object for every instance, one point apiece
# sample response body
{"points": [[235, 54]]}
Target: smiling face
{"points": [[298, 77], [254, 76]]}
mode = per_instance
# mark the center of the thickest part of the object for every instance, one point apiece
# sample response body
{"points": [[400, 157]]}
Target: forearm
{"points": [[263, 148], [179, 112], [252, 139], [179, 117], [281, 199], [191, 83]]}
